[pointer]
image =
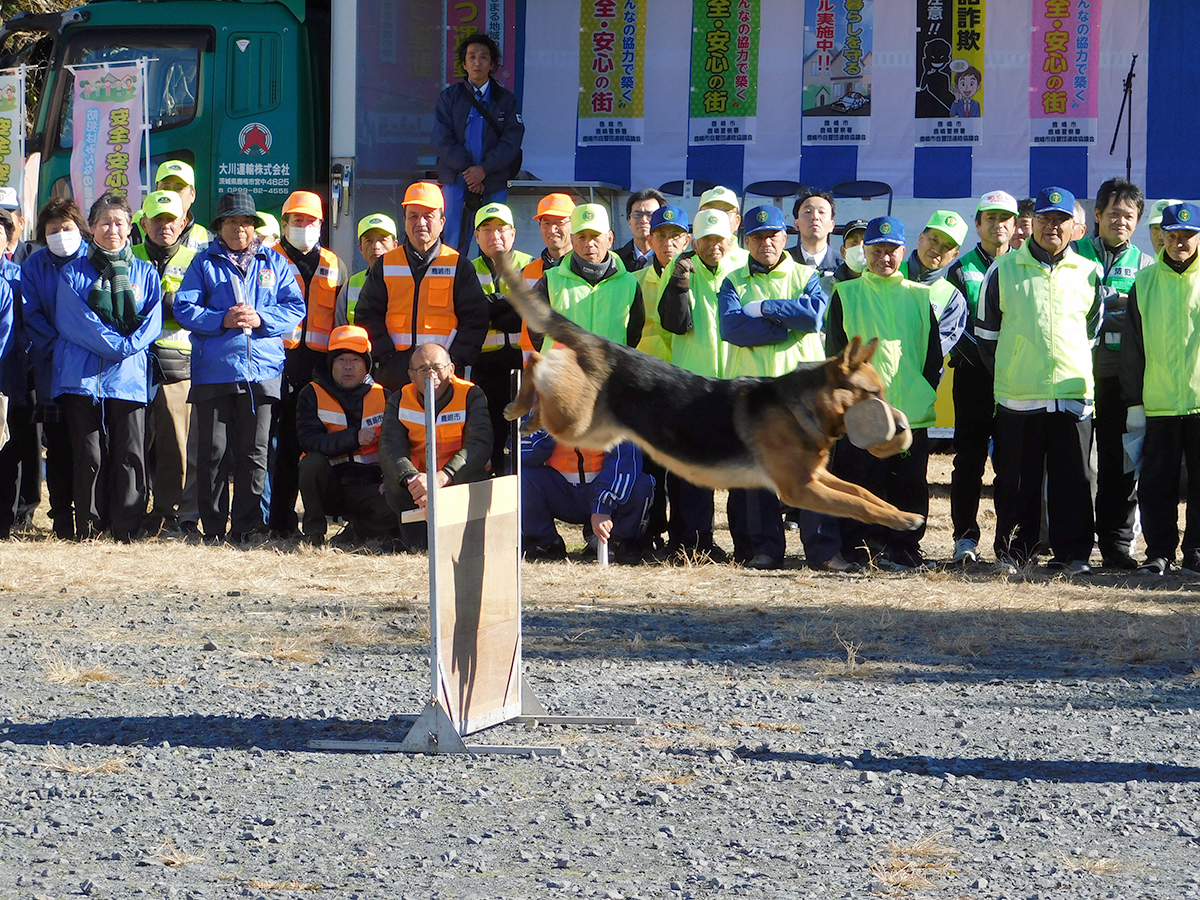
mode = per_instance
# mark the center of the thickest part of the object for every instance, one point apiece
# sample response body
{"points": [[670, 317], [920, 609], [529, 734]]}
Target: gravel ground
{"points": [[933, 736]]}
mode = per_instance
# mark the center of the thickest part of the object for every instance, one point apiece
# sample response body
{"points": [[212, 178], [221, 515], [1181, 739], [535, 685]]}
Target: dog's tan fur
{"points": [[787, 437]]}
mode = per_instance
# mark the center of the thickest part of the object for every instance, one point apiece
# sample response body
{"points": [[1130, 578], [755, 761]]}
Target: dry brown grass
{"points": [[59, 670], [56, 761], [294, 650], [929, 846], [288, 884], [928, 859], [1100, 865], [789, 727], [174, 857]]}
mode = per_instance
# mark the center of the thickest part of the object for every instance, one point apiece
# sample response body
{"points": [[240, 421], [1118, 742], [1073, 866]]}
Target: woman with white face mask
{"points": [[62, 228], [321, 278]]}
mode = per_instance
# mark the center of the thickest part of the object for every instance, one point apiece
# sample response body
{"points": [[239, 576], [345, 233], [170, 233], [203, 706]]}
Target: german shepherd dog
{"points": [[773, 433]]}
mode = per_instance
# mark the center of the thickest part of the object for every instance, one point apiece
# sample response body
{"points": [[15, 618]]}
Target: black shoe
{"points": [[552, 551], [1119, 559], [625, 553], [1156, 567], [837, 564], [283, 534], [904, 560], [214, 540], [763, 561], [1070, 566], [1191, 562], [314, 540]]}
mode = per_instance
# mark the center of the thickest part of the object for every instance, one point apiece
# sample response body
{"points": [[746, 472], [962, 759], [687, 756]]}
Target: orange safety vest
{"points": [[430, 317], [576, 464], [451, 422], [322, 302], [532, 274], [330, 412]]}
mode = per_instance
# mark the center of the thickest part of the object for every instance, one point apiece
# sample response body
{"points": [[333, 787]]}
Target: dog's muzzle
{"points": [[877, 427]]}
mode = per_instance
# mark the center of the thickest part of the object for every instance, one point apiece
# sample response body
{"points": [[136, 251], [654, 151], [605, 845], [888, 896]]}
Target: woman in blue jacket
{"points": [[62, 228], [238, 299], [108, 314]]}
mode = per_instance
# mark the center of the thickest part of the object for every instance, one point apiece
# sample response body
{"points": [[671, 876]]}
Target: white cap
{"points": [[711, 222], [722, 195], [8, 198]]}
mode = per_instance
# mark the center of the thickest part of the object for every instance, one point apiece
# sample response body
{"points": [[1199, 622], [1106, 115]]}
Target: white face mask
{"points": [[64, 243], [856, 258], [304, 238]]}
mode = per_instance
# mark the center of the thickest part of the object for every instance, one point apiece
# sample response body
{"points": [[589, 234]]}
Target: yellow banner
{"points": [[611, 72]]}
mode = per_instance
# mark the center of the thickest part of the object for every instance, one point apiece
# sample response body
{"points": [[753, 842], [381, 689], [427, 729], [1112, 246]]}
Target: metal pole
{"points": [[145, 72], [431, 469]]}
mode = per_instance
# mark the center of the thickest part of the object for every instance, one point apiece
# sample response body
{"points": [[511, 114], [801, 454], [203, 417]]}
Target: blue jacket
{"points": [[39, 300], [454, 106], [13, 355], [613, 484], [213, 285], [91, 357]]}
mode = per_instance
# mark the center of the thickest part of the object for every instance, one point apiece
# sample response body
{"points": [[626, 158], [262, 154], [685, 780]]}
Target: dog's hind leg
{"points": [[527, 394]]}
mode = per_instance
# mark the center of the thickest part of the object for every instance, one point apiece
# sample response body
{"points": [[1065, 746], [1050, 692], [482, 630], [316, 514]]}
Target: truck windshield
{"points": [[174, 70]]}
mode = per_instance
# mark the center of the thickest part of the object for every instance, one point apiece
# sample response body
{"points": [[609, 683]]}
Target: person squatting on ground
{"points": [[906, 318], [238, 299], [463, 433], [339, 416], [974, 403], [421, 292], [321, 277], [1160, 376], [1041, 309], [477, 133], [108, 313], [771, 311], [1119, 206]]}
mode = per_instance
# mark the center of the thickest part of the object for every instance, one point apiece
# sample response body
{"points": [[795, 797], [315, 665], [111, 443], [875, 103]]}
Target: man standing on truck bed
{"points": [[477, 134]]}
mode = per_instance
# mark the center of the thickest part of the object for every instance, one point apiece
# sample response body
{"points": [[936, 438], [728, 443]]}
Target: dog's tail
{"points": [[538, 315]]}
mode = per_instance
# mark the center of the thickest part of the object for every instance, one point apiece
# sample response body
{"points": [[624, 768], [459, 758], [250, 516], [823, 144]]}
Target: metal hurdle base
{"points": [[434, 732]]}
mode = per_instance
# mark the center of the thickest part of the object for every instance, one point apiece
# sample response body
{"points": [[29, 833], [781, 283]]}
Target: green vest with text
{"points": [[1044, 351], [602, 309], [498, 340], [701, 350], [940, 290], [1170, 306], [787, 280], [1120, 275], [896, 311], [172, 337]]}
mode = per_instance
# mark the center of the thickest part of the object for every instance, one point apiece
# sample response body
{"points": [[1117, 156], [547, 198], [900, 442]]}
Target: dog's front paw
{"points": [[910, 522]]}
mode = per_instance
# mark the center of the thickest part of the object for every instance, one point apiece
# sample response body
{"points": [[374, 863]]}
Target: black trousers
{"points": [[756, 524], [235, 430], [692, 510], [1116, 489], [974, 412], [108, 446], [60, 472], [1026, 445], [901, 480], [285, 462], [660, 520], [15, 460], [1170, 439], [493, 373], [333, 491]]}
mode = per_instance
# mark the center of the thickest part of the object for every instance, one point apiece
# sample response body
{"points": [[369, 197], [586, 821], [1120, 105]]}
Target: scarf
{"points": [[112, 297], [242, 258]]}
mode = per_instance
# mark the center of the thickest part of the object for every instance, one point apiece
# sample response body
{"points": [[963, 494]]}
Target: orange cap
{"points": [[555, 205], [304, 202], [349, 337], [422, 193]]}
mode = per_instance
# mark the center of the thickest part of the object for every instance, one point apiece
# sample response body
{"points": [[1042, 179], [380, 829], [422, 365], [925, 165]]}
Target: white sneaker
{"points": [[966, 552]]}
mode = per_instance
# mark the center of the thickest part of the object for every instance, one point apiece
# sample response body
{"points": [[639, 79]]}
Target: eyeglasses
{"points": [[425, 371], [641, 214]]}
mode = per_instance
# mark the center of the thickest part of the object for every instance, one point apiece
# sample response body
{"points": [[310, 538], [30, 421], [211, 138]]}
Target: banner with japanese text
{"points": [[723, 108], [495, 18], [611, 72], [1063, 65], [838, 40], [109, 124], [949, 78], [12, 129]]}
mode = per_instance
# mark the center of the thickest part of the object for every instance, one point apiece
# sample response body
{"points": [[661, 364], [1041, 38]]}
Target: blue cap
{"points": [[1054, 199], [1181, 217], [763, 218], [669, 215], [884, 230]]}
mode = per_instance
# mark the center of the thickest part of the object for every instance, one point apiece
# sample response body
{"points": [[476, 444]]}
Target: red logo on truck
{"points": [[255, 138]]}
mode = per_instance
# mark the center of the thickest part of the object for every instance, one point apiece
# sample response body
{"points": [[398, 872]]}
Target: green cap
{"points": [[270, 225], [377, 220], [176, 168], [162, 203], [495, 211], [1156, 211], [590, 217], [949, 223]]}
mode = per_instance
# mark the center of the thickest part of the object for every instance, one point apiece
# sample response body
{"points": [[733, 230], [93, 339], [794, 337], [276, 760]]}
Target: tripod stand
{"points": [[1126, 103]]}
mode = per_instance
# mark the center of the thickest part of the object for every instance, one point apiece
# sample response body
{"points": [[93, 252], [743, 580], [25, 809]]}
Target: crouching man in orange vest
{"points": [[464, 436], [607, 491], [338, 419]]}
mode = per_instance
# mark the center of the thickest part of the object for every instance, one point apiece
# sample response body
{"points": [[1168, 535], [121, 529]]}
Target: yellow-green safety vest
{"points": [[787, 280], [602, 308], [498, 340], [701, 350], [1170, 306], [656, 340], [173, 337]]}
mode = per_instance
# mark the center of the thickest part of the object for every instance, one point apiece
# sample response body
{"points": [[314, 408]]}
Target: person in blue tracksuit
{"points": [[107, 314], [61, 226], [609, 491], [238, 299]]}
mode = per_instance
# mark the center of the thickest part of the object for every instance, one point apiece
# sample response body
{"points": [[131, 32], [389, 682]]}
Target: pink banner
{"points": [[497, 19], [1063, 64], [109, 125]]}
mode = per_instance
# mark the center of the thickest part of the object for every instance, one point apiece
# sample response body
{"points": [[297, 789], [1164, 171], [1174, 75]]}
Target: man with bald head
{"points": [[463, 430]]}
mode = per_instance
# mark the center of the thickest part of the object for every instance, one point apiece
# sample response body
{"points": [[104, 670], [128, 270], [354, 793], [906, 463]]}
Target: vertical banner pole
{"points": [[431, 469], [147, 187]]}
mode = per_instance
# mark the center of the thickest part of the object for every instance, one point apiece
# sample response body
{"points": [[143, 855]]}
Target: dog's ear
{"points": [[868, 350], [848, 361]]}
